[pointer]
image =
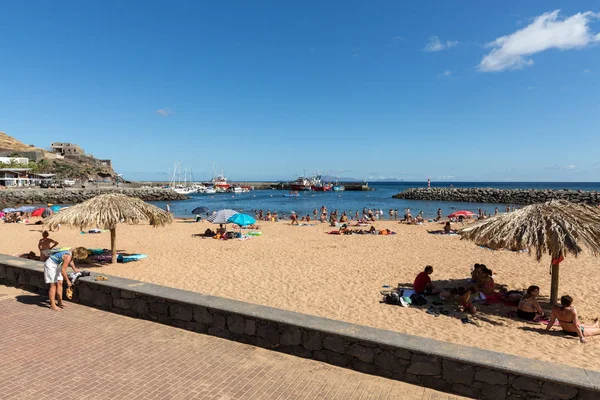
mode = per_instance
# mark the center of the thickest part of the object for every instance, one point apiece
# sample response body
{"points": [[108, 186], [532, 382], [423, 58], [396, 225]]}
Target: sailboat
{"points": [[176, 183]]}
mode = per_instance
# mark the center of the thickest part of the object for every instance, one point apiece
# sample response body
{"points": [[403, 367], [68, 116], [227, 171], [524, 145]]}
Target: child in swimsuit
{"points": [[45, 245]]}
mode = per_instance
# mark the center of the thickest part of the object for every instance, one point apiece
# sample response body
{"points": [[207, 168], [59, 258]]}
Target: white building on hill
{"points": [[8, 160]]}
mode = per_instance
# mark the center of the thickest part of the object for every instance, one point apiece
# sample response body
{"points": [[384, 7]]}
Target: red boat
{"points": [[301, 184]]}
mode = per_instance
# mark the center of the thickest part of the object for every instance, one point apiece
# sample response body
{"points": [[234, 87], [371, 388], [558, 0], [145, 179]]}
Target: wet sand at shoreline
{"points": [[340, 277]]}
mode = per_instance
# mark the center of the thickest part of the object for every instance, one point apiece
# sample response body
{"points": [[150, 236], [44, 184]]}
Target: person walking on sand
{"points": [[55, 272], [45, 245], [168, 208]]}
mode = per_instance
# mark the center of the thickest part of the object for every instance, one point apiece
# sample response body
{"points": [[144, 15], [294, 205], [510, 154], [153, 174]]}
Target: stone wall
{"points": [[18, 197], [499, 196], [439, 365]]}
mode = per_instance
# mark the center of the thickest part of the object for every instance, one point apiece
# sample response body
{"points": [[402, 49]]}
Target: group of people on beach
{"points": [[482, 287]]}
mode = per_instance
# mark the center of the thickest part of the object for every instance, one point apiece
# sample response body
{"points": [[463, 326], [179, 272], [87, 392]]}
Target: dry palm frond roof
{"points": [[107, 210], [557, 227]]}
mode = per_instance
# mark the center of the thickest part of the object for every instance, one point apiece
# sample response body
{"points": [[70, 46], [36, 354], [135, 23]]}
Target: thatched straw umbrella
{"points": [[106, 211], [556, 228]]}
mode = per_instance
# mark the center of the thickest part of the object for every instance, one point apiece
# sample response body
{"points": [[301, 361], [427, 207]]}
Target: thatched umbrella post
{"points": [[556, 228], [554, 284], [106, 211], [113, 244]]}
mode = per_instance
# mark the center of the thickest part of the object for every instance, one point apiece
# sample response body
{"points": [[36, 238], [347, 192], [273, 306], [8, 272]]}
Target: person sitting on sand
{"points": [[220, 231], [344, 217], [423, 285], [486, 284], [464, 300], [447, 228], [45, 245], [476, 273], [372, 230], [528, 308], [566, 315]]}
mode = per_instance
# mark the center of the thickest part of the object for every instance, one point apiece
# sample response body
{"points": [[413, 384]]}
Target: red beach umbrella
{"points": [[38, 212], [461, 213]]}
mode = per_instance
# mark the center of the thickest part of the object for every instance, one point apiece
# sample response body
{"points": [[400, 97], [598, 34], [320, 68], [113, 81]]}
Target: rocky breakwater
{"points": [[17, 197], [500, 196]]}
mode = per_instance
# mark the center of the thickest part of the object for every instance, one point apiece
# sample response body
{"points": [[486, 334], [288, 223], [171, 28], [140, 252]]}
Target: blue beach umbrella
{"points": [[241, 220], [199, 210], [9, 210], [26, 209], [55, 208]]}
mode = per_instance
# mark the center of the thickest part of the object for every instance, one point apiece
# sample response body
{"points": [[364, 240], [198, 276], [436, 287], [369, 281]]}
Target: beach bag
{"points": [[392, 298], [418, 299]]}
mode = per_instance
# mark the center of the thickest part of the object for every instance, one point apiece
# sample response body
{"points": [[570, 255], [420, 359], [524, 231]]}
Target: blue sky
{"points": [[466, 90]]}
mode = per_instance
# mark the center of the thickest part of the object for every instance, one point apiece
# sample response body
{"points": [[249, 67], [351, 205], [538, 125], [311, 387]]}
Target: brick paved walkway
{"points": [[84, 353]]}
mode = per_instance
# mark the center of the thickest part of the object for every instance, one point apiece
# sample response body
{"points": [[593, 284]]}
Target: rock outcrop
{"points": [[500, 196], [18, 197]]}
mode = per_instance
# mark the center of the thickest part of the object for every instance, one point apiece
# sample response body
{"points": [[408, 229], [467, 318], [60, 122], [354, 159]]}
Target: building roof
{"points": [[15, 169], [45, 175]]}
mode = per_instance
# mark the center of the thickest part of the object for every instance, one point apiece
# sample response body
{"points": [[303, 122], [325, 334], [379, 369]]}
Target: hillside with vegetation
{"points": [[82, 167]]}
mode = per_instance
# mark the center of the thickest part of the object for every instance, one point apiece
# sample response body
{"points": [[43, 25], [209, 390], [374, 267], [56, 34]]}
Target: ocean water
{"points": [[380, 198]]}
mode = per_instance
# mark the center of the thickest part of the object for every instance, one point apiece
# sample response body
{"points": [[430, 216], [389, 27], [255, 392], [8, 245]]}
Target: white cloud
{"points": [[398, 38], [545, 32], [436, 44], [570, 166], [445, 74], [164, 112]]}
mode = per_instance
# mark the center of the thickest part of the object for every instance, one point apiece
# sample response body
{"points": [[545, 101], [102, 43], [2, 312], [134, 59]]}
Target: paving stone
{"points": [[334, 343], [291, 335], [491, 377], [559, 391], [424, 365], [458, 372], [364, 354], [529, 384], [236, 324]]}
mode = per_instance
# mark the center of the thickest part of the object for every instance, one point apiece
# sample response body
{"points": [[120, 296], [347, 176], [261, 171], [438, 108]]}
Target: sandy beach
{"points": [[302, 269]]}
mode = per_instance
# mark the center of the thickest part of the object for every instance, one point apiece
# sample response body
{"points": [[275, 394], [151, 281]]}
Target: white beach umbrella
{"points": [[221, 216]]}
